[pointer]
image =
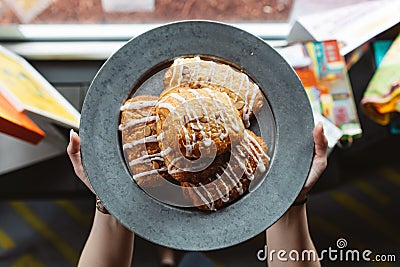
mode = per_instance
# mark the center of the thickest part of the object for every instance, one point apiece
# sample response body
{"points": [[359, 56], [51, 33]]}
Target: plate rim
{"points": [[125, 203]]}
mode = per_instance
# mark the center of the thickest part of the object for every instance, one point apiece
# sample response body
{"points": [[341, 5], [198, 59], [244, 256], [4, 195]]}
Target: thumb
{"points": [[321, 143], [73, 149], [74, 153]]}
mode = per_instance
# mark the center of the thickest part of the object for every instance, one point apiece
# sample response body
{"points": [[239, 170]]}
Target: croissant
{"points": [[197, 73], [140, 142]]}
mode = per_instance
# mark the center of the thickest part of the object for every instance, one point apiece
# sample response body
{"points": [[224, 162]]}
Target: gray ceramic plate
{"points": [[179, 228]]}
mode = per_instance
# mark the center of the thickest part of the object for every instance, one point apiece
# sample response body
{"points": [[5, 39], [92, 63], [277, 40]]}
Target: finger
{"points": [[73, 149], [321, 143]]}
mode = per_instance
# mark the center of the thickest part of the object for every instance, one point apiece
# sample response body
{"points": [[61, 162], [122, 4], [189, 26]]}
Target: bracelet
{"points": [[100, 207], [300, 203]]}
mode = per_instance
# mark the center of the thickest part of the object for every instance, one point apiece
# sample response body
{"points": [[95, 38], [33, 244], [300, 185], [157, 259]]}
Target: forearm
{"points": [[291, 233], [109, 243]]}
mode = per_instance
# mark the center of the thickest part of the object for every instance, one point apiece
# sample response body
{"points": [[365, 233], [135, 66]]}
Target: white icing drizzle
{"points": [[211, 72], [138, 121], [238, 184], [197, 68], [246, 109], [144, 159], [247, 88], [213, 115], [241, 153], [172, 164], [227, 72], [209, 204], [177, 97], [231, 80], [222, 135], [148, 158], [177, 62], [168, 106], [251, 177], [165, 152], [138, 105], [235, 126], [193, 132], [191, 112], [249, 106], [192, 115], [180, 71], [253, 97], [255, 155], [175, 171], [209, 196], [235, 122], [198, 96], [136, 176], [206, 140], [250, 145], [196, 71], [254, 141], [244, 77], [148, 139], [188, 145], [171, 108], [243, 166], [223, 197]]}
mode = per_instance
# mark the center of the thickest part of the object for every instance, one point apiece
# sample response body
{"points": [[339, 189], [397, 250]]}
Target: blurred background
{"points": [[46, 213]]}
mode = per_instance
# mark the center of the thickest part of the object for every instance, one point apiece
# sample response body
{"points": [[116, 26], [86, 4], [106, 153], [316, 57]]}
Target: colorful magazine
{"points": [[323, 72], [29, 92]]}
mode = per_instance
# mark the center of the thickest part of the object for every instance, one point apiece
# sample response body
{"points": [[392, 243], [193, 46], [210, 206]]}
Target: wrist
{"points": [[107, 219], [293, 217], [300, 201], [302, 196]]}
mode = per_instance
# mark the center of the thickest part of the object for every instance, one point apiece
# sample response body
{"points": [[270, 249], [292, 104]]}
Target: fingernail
{"points": [[71, 133]]}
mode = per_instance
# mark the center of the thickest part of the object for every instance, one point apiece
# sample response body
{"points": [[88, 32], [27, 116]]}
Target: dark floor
{"points": [[363, 210]]}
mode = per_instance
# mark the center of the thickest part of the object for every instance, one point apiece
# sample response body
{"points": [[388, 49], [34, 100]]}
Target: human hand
{"points": [[74, 153], [319, 161]]}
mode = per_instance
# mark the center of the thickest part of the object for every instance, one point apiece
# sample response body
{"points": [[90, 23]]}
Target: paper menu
{"points": [[351, 25]]}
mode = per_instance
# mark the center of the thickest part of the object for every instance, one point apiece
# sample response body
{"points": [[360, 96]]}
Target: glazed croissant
{"points": [[194, 135]]}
